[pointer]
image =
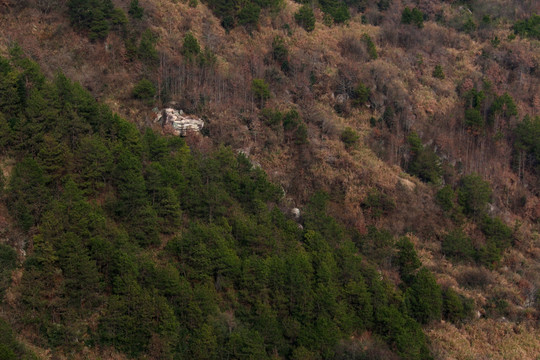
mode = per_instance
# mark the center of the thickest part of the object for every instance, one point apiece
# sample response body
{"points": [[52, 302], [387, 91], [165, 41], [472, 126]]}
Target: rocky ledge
{"points": [[178, 123]]}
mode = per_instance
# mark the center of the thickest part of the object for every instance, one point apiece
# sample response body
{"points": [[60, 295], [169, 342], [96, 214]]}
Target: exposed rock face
{"points": [[179, 123]]}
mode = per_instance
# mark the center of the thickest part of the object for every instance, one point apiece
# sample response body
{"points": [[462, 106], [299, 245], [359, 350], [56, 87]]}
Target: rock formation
{"points": [[178, 123]]}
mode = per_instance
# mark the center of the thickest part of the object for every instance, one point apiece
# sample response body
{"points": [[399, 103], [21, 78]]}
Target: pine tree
{"points": [[423, 299], [135, 10], [305, 17]]}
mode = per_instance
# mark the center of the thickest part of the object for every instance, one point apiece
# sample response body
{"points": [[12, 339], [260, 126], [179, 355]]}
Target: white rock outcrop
{"points": [[178, 122]]}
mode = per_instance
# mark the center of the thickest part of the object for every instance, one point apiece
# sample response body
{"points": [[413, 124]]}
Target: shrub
{"points": [[474, 120], [301, 135], [147, 48], [503, 106], [338, 11], [144, 90], [378, 203], [497, 232], [260, 90], [529, 27], [228, 23], [424, 163], [135, 10], [473, 194], [8, 261], [403, 332], [458, 246], [423, 299], [438, 72], [427, 166], [349, 137], [527, 144], [384, 4], [190, 47], [372, 50], [475, 278], [361, 94], [469, 25], [280, 53], [445, 197], [413, 16], [291, 120], [248, 16], [407, 260], [305, 18], [271, 117], [377, 244], [498, 239], [94, 16], [456, 307]]}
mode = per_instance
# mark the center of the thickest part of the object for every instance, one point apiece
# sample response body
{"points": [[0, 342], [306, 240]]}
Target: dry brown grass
{"points": [[485, 339]]}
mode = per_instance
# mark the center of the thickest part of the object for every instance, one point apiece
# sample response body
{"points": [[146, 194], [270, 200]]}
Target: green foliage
{"points": [[377, 245], [372, 50], [527, 143], [10, 348], [207, 58], [528, 27], [361, 95], [337, 10], [378, 203], [446, 197], [8, 261], [305, 18], [146, 51], [271, 117], [474, 194], [498, 239], [118, 19], [456, 308], [423, 299], [474, 98], [349, 137], [248, 15], [424, 162], [95, 16], [261, 90], [135, 10], [458, 246], [403, 332], [504, 107], [413, 16], [438, 72], [190, 47], [474, 120], [384, 5], [27, 193], [144, 90], [301, 134], [407, 260], [469, 25], [280, 53]]}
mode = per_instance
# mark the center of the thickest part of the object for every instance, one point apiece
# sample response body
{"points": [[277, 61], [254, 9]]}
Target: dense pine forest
{"points": [[366, 184]]}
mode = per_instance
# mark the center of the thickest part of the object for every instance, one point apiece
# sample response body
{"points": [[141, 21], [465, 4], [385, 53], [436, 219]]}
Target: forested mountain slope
{"points": [[407, 133]]}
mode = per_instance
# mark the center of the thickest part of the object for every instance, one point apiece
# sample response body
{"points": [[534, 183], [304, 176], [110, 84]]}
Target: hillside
{"points": [[406, 133]]}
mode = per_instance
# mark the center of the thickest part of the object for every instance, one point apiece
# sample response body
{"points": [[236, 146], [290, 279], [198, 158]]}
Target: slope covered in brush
{"points": [[140, 244]]}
